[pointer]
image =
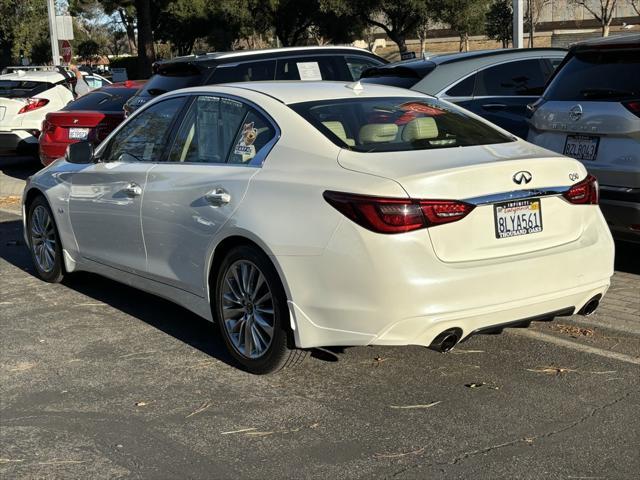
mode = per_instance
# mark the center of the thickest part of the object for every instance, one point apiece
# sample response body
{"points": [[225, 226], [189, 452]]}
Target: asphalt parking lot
{"points": [[99, 380]]}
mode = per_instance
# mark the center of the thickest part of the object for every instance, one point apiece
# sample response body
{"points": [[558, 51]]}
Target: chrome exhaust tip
{"points": [[590, 306], [446, 340]]}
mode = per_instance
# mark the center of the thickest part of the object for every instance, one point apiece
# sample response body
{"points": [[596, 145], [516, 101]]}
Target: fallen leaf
{"points": [[475, 385], [200, 409], [141, 404], [408, 407], [550, 370], [258, 434], [574, 331], [237, 431], [400, 454]]}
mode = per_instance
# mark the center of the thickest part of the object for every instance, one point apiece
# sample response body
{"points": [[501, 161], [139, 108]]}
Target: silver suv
{"points": [[590, 111]]}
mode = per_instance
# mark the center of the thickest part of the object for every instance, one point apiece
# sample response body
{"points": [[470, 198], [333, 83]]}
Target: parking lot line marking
{"points": [[576, 346]]}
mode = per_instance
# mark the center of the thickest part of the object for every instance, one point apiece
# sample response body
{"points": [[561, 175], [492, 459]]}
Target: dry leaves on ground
{"points": [[10, 201], [574, 331], [551, 370]]}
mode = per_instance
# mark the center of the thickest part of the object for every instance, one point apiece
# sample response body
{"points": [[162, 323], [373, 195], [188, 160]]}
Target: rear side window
{"points": [[525, 77], [396, 124], [22, 88], [312, 68], [105, 100], [172, 77], [244, 72], [463, 88], [254, 134], [599, 76]]}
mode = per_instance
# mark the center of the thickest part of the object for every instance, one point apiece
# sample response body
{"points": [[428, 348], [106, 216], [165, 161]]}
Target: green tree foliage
{"points": [[88, 51], [499, 22], [466, 17], [23, 27]]}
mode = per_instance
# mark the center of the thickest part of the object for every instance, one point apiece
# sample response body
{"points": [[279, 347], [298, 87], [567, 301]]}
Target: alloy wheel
{"points": [[43, 238]]}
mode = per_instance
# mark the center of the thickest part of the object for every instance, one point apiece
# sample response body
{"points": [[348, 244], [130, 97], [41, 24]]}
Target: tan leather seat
{"points": [[378, 133], [424, 128], [337, 128]]}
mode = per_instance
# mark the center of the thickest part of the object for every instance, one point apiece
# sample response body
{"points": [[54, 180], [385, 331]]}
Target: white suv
{"points": [[25, 99], [590, 111]]}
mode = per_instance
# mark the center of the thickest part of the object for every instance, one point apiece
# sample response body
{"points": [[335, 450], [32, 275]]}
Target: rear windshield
{"points": [[598, 76], [22, 88], [396, 124], [103, 100], [173, 77], [392, 81]]}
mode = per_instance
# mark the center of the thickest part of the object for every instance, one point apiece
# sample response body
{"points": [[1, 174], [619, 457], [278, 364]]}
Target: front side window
{"points": [[396, 124], [521, 78], [143, 137]]}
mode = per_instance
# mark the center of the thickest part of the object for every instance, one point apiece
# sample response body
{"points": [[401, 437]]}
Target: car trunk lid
{"points": [[487, 177]]}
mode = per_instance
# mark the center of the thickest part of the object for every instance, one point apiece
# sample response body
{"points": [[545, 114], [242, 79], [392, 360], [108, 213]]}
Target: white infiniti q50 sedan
{"points": [[308, 214]]}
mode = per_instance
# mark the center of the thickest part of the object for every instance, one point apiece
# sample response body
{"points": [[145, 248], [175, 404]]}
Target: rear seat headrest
{"points": [[423, 128], [378, 132]]}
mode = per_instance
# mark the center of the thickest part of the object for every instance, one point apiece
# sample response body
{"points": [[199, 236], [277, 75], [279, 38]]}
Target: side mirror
{"points": [[80, 152]]}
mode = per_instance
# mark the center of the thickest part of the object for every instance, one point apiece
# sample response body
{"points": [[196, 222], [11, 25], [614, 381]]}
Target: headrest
{"points": [[422, 128], [378, 132], [337, 129]]}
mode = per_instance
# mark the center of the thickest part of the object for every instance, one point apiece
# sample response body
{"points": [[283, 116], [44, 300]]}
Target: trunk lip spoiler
{"points": [[518, 195]]}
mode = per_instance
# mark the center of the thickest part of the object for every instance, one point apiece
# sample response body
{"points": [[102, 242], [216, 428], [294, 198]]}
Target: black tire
{"points": [[280, 353], [55, 273]]}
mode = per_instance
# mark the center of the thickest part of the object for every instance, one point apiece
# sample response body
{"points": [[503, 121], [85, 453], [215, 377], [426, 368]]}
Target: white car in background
{"points": [[310, 214], [591, 111], [25, 99]]}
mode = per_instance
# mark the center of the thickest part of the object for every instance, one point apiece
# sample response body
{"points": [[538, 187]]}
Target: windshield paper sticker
{"points": [[309, 71]]}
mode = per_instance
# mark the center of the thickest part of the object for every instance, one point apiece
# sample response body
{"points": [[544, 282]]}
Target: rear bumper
{"points": [[11, 139], [373, 289], [50, 152]]}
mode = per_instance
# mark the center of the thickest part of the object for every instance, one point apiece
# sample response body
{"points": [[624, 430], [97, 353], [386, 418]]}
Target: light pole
{"points": [[53, 32], [518, 28]]}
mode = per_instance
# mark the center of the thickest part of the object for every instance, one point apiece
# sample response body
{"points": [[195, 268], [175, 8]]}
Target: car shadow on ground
{"points": [[628, 257], [161, 314], [18, 167]]}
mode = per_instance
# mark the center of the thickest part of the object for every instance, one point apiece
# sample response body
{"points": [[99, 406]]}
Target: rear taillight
{"points": [[585, 192], [633, 106], [396, 215], [33, 104]]}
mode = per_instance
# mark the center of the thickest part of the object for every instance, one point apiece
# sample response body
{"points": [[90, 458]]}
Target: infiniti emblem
{"points": [[522, 177], [575, 113]]}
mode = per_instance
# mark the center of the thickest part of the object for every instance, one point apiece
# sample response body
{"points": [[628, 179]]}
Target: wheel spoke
{"points": [[233, 290], [248, 344], [265, 326], [232, 313], [238, 282], [263, 298]]}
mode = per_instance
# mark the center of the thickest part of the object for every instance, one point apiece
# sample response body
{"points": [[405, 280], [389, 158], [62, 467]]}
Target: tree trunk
{"points": [[464, 42], [605, 30], [401, 42], [532, 30], [146, 50], [131, 33]]}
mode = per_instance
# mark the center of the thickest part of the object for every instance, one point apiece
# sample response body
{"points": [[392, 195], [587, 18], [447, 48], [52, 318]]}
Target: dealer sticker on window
{"points": [[517, 217]]}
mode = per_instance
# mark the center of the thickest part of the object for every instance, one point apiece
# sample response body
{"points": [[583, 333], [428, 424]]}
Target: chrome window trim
{"points": [[517, 195]]}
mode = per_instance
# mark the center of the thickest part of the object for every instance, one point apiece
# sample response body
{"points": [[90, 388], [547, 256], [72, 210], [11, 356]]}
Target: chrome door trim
{"points": [[517, 195]]}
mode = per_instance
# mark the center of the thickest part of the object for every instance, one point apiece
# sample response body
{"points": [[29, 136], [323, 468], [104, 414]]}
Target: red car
{"points": [[91, 117]]}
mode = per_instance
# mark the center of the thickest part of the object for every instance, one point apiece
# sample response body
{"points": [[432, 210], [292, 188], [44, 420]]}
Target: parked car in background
{"points": [[591, 111], [295, 63], [495, 84], [91, 117], [292, 216], [94, 80], [26, 96]]}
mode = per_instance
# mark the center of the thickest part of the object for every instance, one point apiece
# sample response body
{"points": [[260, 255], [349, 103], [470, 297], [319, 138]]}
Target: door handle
{"points": [[133, 189], [218, 197], [494, 106]]}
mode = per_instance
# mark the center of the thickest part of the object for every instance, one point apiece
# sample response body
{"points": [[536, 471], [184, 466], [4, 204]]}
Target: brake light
{"points": [[585, 192], [396, 215], [33, 104], [633, 106]]}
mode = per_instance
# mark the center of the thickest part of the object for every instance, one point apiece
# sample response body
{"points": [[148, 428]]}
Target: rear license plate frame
{"points": [[579, 140], [73, 133], [519, 207]]}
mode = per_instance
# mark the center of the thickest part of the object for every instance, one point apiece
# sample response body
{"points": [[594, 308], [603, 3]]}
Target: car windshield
{"points": [[22, 88], [397, 124], [599, 76], [103, 100]]}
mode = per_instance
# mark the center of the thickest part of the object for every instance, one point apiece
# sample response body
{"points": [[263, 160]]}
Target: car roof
{"points": [[632, 40], [237, 55], [34, 76], [290, 92]]}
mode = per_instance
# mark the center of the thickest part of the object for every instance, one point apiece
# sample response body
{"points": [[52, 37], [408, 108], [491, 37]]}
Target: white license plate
{"points": [[78, 133], [517, 217], [581, 147]]}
